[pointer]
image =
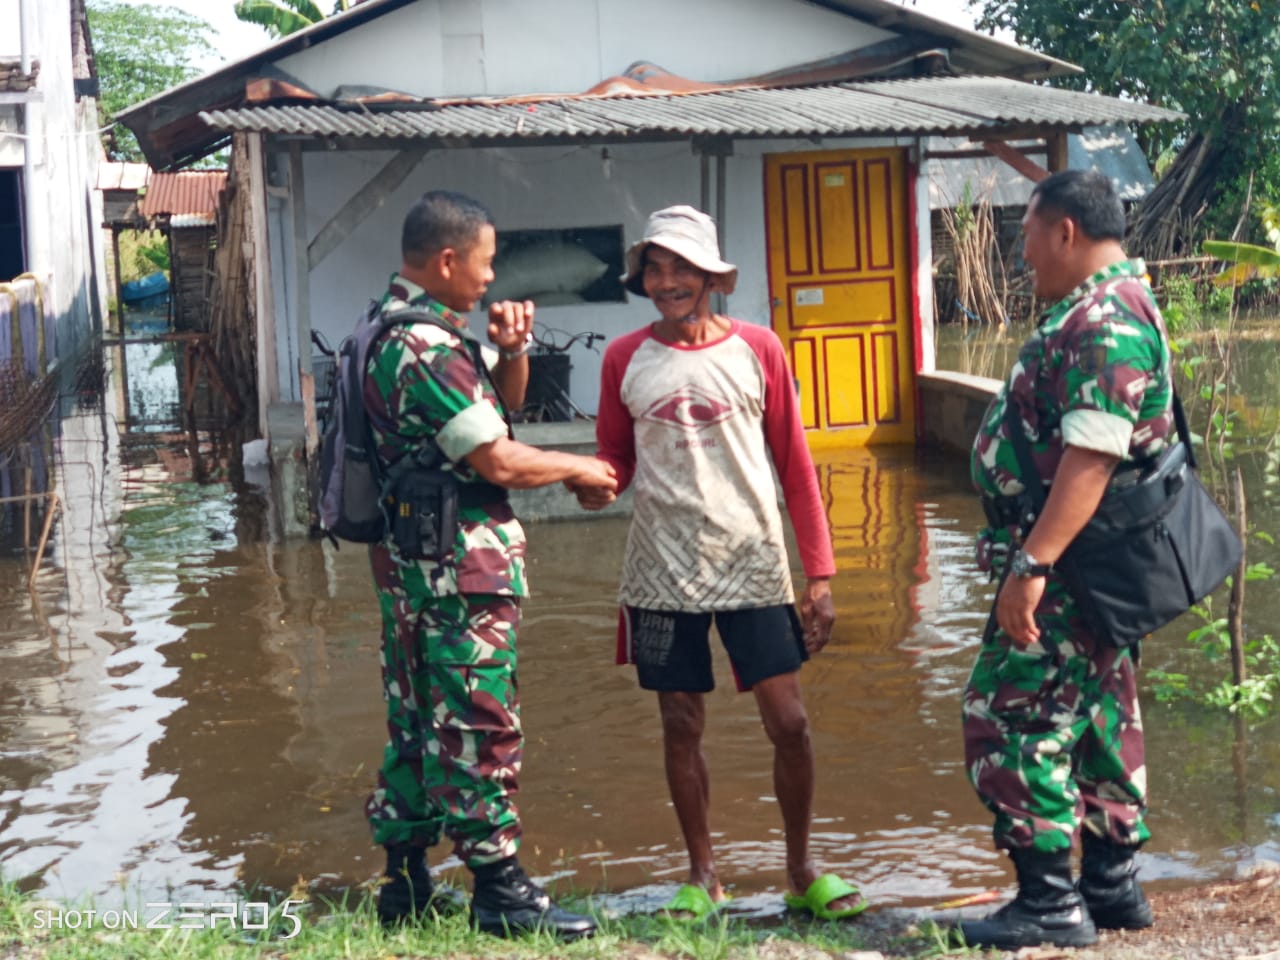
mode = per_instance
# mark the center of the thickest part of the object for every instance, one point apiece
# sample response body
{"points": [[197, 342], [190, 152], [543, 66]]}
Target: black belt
{"points": [[481, 494]]}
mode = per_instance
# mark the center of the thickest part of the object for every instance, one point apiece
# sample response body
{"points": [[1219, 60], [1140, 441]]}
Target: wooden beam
{"points": [[975, 152], [1056, 142], [301, 264], [370, 197], [1014, 158], [263, 295]]}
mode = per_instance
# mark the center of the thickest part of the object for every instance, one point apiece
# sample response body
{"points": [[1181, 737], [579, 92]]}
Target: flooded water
{"points": [[186, 706]]}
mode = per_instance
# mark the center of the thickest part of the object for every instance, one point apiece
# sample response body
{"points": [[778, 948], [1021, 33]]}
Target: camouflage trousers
{"points": [[1053, 733], [453, 756]]}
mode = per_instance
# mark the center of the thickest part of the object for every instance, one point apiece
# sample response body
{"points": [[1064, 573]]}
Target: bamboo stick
{"points": [[55, 504]]}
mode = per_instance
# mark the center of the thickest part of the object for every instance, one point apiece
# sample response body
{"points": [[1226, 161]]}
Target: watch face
{"points": [[1021, 565]]}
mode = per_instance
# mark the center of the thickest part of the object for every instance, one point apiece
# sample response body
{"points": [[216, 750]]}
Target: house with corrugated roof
{"points": [[183, 206], [803, 126]]}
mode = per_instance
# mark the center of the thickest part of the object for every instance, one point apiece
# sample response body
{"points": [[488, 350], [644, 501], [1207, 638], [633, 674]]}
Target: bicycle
{"points": [[547, 397]]}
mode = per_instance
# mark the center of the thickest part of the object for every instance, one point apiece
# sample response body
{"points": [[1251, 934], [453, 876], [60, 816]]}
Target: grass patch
{"points": [[348, 928]]}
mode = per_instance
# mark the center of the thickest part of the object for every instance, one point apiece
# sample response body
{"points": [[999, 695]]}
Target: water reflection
{"points": [[189, 706]]}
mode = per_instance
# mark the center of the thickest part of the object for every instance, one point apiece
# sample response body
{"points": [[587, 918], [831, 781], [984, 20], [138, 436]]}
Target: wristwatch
{"points": [[1024, 566], [519, 351]]}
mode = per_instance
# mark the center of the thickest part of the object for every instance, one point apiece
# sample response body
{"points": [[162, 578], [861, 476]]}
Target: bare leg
{"points": [[785, 721], [683, 720]]}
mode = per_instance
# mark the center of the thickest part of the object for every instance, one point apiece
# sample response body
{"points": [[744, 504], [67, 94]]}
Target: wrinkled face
{"points": [[468, 273], [1044, 249], [677, 288]]}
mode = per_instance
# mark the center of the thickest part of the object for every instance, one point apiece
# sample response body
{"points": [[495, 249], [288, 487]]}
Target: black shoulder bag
{"points": [[1157, 544]]}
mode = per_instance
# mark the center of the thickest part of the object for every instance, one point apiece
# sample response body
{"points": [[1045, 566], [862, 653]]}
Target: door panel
{"points": [[839, 276]]}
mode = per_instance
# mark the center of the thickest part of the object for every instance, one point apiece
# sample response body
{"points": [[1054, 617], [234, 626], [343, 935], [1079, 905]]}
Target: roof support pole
{"points": [[719, 299], [302, 295], [1056, 142], [704, 169], [263, 295], [301, 262], [706, 148]]}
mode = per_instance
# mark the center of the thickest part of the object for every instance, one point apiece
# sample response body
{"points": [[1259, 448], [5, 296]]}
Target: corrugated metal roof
{"points": [[1110, 149], [936, 105], [188, 192], [181, 220], [118, 175]]}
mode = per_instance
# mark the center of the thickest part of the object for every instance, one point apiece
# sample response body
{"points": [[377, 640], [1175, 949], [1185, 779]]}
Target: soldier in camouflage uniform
{"points": [[1053, 736], [449, 628]]}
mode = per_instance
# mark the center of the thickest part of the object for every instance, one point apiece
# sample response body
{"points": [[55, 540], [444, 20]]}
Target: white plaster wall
{"points": [[537, 188], [500, 47], [10, 29], [63, 243], [545, 187]]}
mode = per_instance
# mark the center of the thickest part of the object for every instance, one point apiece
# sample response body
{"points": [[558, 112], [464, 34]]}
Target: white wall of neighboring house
{"points": [[51, 137], [452, 48]]}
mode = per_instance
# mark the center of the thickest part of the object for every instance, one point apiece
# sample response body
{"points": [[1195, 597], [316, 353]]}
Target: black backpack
{"points": [[352, 487]]}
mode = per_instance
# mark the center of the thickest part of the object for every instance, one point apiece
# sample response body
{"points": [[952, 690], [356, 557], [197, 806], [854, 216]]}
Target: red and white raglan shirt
{"points": [[695, 428]]}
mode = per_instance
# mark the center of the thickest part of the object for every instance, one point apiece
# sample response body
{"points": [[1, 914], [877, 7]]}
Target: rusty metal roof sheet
{"points": [[188, 192], [933, 105]]}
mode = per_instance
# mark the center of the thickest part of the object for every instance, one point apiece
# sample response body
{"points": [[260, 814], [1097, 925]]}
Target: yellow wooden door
{"points": [[840, 283]]}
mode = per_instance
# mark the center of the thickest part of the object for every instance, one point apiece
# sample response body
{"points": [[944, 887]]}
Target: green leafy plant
{"points": [[139, 51], [1256, 695], [283, 17]]}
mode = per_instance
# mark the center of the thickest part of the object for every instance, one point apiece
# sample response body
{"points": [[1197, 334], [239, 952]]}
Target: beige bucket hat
{"points": [[686, 232]]}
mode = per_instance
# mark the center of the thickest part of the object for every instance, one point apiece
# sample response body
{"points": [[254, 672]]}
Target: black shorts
{"points": [[671, 651]]}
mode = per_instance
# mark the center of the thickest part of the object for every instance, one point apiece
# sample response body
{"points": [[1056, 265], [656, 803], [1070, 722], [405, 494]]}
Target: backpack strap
{"points": [[476, 493], [416, 315]]}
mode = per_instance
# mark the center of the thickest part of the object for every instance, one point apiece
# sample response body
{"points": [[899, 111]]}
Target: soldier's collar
{"points": [[1135, 267], [415, 296]]}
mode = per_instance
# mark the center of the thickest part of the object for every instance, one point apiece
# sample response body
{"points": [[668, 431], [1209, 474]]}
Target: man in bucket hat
{"points": [[693, 409]]}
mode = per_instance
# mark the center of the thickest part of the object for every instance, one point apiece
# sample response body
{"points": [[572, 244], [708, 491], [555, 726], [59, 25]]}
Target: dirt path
{"points": [[1229, 920]]}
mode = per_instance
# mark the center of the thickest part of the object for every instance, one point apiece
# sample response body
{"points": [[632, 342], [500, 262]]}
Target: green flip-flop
{"points": [[691, 904], [827, 889]]}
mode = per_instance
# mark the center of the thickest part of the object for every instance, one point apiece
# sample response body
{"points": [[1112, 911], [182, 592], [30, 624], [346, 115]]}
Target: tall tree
{"points": [[140, 51], [282, 17], [1213, 59]]}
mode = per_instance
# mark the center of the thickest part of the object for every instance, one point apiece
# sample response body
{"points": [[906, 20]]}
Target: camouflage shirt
{"points": [[1094, 375], [423, 387]]}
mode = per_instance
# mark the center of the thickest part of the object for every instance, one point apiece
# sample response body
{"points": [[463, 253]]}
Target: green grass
{"points": [[350, 930]]}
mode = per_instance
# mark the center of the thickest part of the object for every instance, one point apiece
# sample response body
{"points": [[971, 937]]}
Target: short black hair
{"points": [[440, 219], [1086, 196]]}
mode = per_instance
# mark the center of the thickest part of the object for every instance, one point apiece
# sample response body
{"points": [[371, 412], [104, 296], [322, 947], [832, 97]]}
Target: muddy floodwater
{"points": [[188, 705]]}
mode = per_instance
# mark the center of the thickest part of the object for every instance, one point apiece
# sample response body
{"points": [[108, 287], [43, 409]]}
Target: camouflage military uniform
{"points": [[1053, 734], [449, 630]]}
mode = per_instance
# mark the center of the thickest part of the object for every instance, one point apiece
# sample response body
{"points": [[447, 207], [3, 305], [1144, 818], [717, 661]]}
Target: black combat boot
{"points": [[1109, 885], [1047, 908], [506, 903], [408, 893]]}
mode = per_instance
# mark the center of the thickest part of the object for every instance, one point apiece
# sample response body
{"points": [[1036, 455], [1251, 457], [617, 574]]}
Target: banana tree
{"points": [[1250, 261], [282, 17]]}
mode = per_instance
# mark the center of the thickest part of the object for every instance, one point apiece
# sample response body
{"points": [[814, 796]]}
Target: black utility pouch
{"points": [[424, 517]]}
